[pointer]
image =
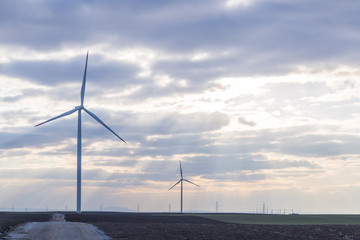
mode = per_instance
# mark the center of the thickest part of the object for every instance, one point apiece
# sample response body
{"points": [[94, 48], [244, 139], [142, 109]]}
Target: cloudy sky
{"points": [[259, 99]]}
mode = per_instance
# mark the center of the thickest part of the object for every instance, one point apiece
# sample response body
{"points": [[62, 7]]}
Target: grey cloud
{"points": [[211, 167], [235, 163], [323, 145], [175, 123], [270, 38], [59, 174], [17, 116], [166, 170], [237, 177], [45, 173], [11, 99], [14, 140], [135, 128], [243, 121], [168, 147], [253, 177], [238, 154], [39, 136], [46, 72], [297, 141], [100, 72], [289, 36], [159, 123], [91, 177], [112, 162], [95, 21], [150, 90]]}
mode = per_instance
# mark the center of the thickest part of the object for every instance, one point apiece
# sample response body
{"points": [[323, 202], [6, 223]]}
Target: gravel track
{"points": [[56, 229]]}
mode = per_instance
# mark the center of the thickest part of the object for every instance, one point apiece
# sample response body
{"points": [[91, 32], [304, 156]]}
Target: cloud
{"points": [[242, 120], [247, 94], [59, 72], [228, 164], [208, 27]]}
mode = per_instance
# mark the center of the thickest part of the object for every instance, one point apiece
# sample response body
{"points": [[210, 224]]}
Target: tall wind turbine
{"points": [[78, 109], [182, 179]]}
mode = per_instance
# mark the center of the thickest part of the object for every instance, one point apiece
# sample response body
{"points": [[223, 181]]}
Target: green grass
{"points": [[274, 219]]}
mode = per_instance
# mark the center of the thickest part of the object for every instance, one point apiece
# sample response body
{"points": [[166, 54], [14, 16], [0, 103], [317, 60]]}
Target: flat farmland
{"points": [[204, 226], [294, 219], [222, 226]]}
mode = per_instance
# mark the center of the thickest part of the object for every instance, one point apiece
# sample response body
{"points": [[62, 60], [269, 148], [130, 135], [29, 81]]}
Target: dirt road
{"points": [[56, 229]]}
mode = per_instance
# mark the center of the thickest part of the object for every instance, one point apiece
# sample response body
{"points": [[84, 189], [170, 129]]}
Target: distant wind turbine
{"points": [[78, 109], [181, 181]]}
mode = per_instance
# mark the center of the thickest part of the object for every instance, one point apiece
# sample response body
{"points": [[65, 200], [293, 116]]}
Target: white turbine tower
{"points": [[181, 181], [78, 109]]}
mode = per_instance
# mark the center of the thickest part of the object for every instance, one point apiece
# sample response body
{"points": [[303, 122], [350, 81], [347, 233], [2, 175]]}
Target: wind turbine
{"points": [[182, 179], [78, 109]]}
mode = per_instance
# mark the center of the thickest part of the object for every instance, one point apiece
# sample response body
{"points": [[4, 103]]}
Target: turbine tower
{"points": [[78, 109], [182, 179]]}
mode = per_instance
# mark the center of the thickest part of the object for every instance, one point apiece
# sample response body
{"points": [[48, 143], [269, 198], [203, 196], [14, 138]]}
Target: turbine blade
{"points": [[191, 182], [181, 170], [84, 81], [102, 123], [174, 185], [60, 116]]}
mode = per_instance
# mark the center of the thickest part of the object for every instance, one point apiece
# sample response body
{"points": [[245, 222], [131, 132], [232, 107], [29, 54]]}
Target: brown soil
{"points": [[172, 226], [165, 226]]}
